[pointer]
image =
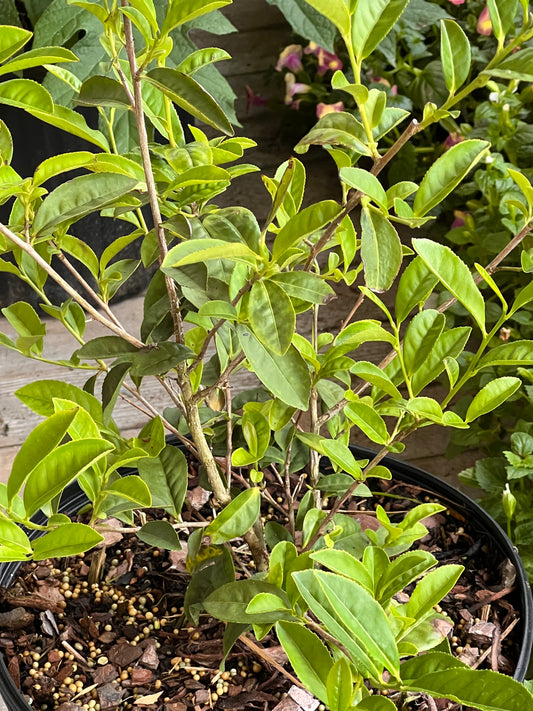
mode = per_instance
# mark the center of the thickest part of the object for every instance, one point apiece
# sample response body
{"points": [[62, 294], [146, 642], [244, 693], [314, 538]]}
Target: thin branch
{"points": [[352, 312], [89, 308], [270, 660], [206, 392], [411, 130]]}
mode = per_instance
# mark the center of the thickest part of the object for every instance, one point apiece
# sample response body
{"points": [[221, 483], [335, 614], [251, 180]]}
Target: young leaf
{"points": [[308, 655], [449, 345], [343, 563], [381, 250], [415, 285], [375, 376], [455, 54], [455, 276], [236, 518], [431, 589], [230, 601], [511, 353], [336, 11], [67, 539], [365, 182], [340, 686], [502, 15], [518, 65], [304, 286], [305, 223], [201, 250], [39, 397], [446, 174], [492, 395], [13, 536], [132, 488], [11, 40], [421, 335], [368, 421]]}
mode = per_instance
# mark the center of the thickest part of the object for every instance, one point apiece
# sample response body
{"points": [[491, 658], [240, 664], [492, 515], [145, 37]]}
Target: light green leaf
{"points": [[287, 376], [11, 40], [132, 488], [422, 333], [72, 122], [375, 376], [65, 540], [415, 285], [303, 224], [381, 250], [523, 297], [340, 686], [449, 345], [308, 655], [336, 11], [455, 276], [431, 589], [39, 397], [58, 468], [372, 21], [510, 353], [230, 601], [491, 396], [181, 11], [38, 57], [201, 250], [236, 518], [368, 421], [337, 451], [304, 286], [341, 562], [516, 66], [79, 197], [446, 174], [354, 618], [271, 315], [455, 54], [202, 58], [339, 128], [365, 182], [41, 441], [13, 536], [25, 94], [190, 96]]}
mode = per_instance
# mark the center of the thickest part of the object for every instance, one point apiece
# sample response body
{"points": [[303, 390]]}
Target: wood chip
{"points": [[16, 619]]}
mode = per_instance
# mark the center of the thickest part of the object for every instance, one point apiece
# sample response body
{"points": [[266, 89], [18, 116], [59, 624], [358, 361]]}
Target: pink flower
{"points": [[457, 2], [484, 25], [453, 139], [291, 59], [460, 219], [327, 61], [253, 99], [385, 82], [293, 87], [322, 109]]}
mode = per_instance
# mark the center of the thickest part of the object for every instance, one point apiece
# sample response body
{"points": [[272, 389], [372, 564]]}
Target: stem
{"points": [[229, 433], [348, 318]]}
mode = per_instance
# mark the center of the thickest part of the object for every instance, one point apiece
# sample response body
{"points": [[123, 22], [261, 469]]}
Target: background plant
{"points": [[225, 297]]}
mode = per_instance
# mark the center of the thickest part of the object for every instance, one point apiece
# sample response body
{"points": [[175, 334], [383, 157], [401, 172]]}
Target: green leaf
{"points": [[271, 315], [431, 589], [58, 468], [286, 376], [368, 421], [79, 197], [190, 96], [65, 540], [106, 347], [132, 488], [502, 16], [516, 66], [372, 21], [202, 58], [381, 250], [25, 94], [375, 376], [304, 286], [404, 569], [491, 396], [449, 345], [236, 518], [336, 11], [415, 285], [354, 618], [201, 250], [455, 276], [376, 703], [446, 174], [365, 182], [12, 39], [39, 397], [181, 11], [13, 536], [41, 441], [340, 686], [103, 91], [230, 601], [158, 360], [336, 450], [343, 563], [160, 534], [510, 353], [336, 129], [72, 122], [421, 335], [303, 224], [481, 689], [307, 22], [308, 655], [455, 54], [523, 297], [37, 58]]}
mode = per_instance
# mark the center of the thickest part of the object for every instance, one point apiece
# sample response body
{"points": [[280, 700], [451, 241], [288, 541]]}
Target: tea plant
{"points": [[224, 297]]}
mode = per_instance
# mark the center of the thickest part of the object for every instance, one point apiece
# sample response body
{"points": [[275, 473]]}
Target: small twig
{"points": [[488, 651], [229, 433], [413, 128], [74, 652], [352, 312], [269, 660]]}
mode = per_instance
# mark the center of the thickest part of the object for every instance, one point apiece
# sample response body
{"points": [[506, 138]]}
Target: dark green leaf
{"points": [[236, 518], [160, 534]]}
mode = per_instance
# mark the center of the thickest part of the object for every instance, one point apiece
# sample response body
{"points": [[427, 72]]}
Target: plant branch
{"points": [[111, 325]]}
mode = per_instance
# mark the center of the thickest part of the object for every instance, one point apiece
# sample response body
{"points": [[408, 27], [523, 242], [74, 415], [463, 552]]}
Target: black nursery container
{"points": [[479, 519]]}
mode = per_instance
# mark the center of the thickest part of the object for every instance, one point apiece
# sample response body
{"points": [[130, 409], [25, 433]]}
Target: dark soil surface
{"points": [[123, 643]]}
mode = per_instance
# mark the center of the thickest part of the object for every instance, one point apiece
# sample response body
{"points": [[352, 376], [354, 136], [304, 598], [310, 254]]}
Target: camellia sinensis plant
{"points": [[224, 297]]}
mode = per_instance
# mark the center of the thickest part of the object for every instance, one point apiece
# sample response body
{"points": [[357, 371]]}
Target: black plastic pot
{"points": [[477, 517]]}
